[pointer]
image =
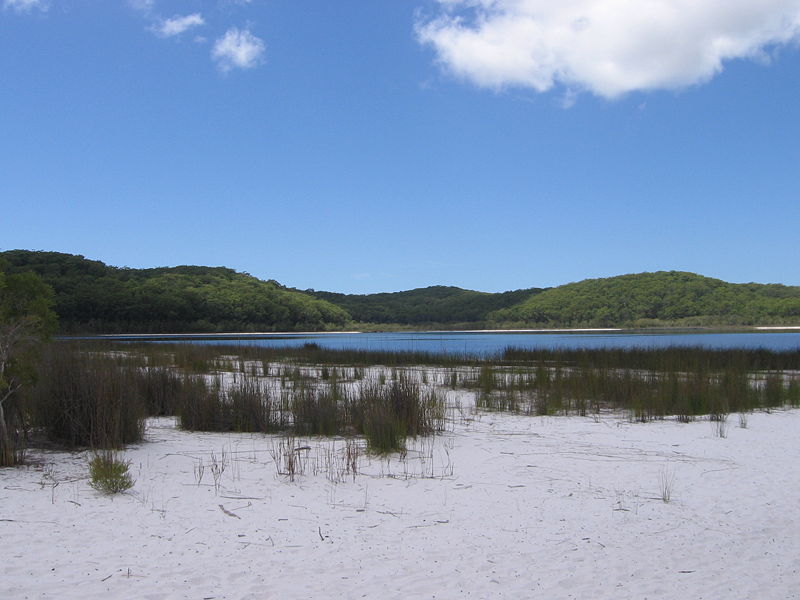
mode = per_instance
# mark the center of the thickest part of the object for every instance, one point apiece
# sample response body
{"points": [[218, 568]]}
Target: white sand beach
{"points": [[500, 506]]}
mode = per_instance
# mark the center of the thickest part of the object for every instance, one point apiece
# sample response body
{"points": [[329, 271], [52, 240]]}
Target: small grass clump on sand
{"points": [[743, 420], [109, 474], [666, 483]]}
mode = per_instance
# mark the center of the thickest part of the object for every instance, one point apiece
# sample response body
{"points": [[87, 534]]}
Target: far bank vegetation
{"points": [[91, 297]]}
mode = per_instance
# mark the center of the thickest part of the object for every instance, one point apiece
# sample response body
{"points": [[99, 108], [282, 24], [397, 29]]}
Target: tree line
{"points": [[436, 304], [91, 297], [660, 298]]}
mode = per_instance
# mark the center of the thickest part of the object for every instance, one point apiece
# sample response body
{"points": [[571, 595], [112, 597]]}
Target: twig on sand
{"points": [[244, 497], [229, 513]]}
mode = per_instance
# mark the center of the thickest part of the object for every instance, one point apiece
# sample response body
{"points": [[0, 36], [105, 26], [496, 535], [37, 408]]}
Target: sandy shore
{"points": [[500, 507], [572, 330]]}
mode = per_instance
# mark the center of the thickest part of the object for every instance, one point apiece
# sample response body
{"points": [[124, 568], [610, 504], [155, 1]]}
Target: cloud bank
{"points": [[238, 49], [177, 25], [607, 47], [24, 6]]}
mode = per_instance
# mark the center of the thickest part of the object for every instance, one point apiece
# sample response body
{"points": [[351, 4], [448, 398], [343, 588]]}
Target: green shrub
{"points": [[109, 474]]}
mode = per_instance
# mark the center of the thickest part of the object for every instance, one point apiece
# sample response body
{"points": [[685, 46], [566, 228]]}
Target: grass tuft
{"points": [[109, 474], [666, 482]]}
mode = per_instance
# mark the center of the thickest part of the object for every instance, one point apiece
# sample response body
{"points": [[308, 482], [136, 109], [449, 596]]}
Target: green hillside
{"points": [[93, 297], [664, 297], [435, 304]]}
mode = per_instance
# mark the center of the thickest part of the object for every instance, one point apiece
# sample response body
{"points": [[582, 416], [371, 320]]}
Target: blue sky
{"points": [[378, 145]]}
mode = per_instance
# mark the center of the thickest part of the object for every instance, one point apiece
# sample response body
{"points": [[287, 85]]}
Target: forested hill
{"points": [[431, 305], [93, 297], [664, 297]]}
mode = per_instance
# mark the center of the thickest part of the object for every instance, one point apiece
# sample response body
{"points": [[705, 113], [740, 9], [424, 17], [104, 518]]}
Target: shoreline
{"points": [[553, 330]]}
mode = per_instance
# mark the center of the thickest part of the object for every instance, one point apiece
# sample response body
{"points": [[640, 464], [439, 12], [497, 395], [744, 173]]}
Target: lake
{"points": [[488, 343]]}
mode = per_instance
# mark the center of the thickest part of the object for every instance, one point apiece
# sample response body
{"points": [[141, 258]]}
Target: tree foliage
{"points": [[26, 321], [435, 304], [93, 297], [664, 296]]}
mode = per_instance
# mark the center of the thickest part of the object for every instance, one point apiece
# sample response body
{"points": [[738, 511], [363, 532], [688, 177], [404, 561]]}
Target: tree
{"points": [[26, 322]]}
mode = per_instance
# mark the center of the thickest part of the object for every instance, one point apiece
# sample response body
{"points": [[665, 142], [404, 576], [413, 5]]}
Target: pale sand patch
{"points": [[334, 333], [225, 335], [502, 506], [572, 330]]}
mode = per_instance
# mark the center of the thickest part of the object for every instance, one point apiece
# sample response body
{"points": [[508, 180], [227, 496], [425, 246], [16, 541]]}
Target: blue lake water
{"points": [[488, 343]]}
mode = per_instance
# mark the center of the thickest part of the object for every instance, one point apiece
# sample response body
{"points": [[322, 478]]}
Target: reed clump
{"points": [[205, 358], [158, 388], [86, 399], [645, 384], [98, 394], [318, 411], [387, 414], [247, 405], [384, 413]]}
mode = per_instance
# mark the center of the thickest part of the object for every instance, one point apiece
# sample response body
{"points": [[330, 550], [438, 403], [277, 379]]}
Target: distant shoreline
{"points": [[212, 335], [267, 334], [306, 333], [567, 330]]}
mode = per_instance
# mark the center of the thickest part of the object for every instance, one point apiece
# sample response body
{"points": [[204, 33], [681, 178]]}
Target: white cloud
{"points": [[608, 47], [227, 4], [145, 6], [177, 25], [24, 6], [238, 49]]}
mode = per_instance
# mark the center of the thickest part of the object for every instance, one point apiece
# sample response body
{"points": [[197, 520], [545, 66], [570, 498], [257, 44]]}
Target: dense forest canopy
{"points": [[93, 297], [664, 296], [436, 304]]}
